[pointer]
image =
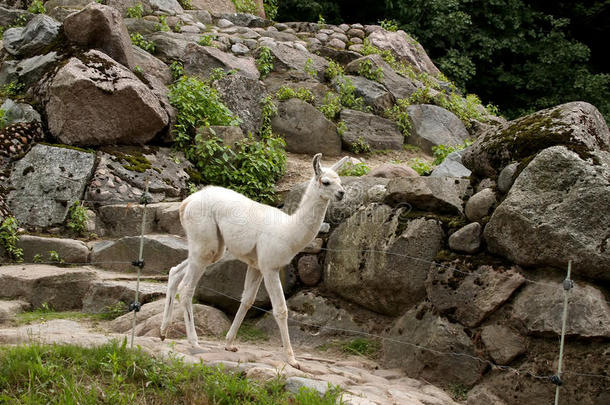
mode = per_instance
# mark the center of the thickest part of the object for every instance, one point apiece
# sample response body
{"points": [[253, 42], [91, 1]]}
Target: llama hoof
{"points": [[231, 348], [162, 337], [294, 364]]}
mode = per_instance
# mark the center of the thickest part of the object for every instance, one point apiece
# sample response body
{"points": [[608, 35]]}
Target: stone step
{"points": [[9, 309], [118, 220], [105, 294]]}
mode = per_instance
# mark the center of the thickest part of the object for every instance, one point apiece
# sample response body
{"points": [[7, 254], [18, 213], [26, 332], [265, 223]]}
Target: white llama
{"points": [[263, 237]]}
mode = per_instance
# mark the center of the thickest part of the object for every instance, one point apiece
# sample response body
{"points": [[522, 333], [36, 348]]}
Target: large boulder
{"points": [[470, 297], [46, 182], [547, 217], [214, 6], [151, 65], [202, 60], [123, 172], [539, 308], [60, 288], [288, 57], [406, 48], [439, 194], [60, 9], [374, 94], [429, 347], [27, 71], [40, 33], [160, 253], [69, 250], [578, 126], [101, 27], [433, 126], [381, 274], [104, 295], [86, 92], [375, 131], [243, 96], [306, 129], [400, 86]]}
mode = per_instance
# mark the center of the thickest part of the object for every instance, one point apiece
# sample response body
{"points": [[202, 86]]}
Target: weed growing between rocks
{"points": [[78, 218], [264, 62], [365, 69], [351, 169], [163, 25], [138, 40], [360, 146], [2, 119], [440, 152], [285, 93], [389, 25], [176, 69], [37, 7], [331, 106], [136, 11], [111, 373], [245, 6], [398, 113], [9, 239], [422, 167], [206, 40]]}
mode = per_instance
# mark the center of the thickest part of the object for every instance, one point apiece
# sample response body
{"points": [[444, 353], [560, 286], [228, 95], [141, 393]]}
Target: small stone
{"points": [[310, 271], [355, 40], [502, 343], [479, 205], [355, 32], [224, 23], [466, 239], [507, 177], [239, 49], [336, 43], [110, 183]]}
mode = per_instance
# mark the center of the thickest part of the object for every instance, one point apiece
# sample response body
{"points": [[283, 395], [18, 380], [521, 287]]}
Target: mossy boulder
{"points": [[579, 126]]}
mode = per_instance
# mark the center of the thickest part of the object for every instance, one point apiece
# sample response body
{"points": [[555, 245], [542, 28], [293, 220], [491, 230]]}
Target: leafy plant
{"points": [[321, 21], [331, 106], [421, 166], [177, 27], [440, 152], [310, 68], [37, 258], [351, 169], [138, 40], [333, 70], [37, 7], [186, 4], [54, 257], [459, 392], [270, 7], [3, 121], [269, 110], [245, 6], [363, 347], [360, 146], [12, 90], [285, 93], [389, 25], [347, 94], [250, 333], [206, 40], [264, 62], [114, 311], [177, 69], [136, 11], [9, 239], [20, 21], [341, 127], [399, 114], [162, 26], [78, 218], [366, 69]]}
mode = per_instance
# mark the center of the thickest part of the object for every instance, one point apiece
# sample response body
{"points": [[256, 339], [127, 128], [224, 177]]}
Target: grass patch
{"points": [[359, 346], [250, 333], [113, 374]]}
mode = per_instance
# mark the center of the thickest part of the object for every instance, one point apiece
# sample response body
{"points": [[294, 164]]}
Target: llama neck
{"points": [[308, 217]]}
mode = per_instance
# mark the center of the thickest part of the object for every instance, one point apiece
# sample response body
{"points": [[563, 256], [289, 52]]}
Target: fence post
{"points": [[567, 286]]}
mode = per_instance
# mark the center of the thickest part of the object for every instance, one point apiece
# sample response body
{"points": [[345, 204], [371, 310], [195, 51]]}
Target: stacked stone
{"points": [[17, 138]]}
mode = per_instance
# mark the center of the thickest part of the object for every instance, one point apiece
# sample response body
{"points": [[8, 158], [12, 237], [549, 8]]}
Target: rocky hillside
{"points": [[453, 261]]}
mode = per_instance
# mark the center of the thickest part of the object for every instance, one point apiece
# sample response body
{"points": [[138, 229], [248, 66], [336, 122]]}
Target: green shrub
{"points": [[245, 6], [177, 69], [9, 239], [440, 152], [185, 4], [389, 25], [331, 106], [37, 7], [20, 21], [399, 114], [55, 258], [285, 93], [421, 166], [138, 40], [264, 62], [136, 11], [269, 110], [341, 127], [363, 347], [360, 146], [37, 258], [12, 90], [310, 68], [162, 26], [270, 7], [347, 94], [351, 169], [333, 70], [365, 69], [3, 121], [78, 218], [206, 40]]}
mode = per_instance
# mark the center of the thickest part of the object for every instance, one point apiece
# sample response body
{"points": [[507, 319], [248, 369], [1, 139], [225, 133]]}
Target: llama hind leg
{"points": [[251, 285], [176, 274], [187, 290]]}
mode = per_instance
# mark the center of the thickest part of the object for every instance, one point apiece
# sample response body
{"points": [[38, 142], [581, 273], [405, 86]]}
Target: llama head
{"points": [[327, 180]]}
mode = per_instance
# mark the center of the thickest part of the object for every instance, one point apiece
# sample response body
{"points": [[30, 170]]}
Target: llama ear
{"points": [[340, 163], [316, 164]]}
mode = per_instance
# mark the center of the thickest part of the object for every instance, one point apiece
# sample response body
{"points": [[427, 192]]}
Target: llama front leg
{"points": [[280, 311], [176, 274], [251, 285]]}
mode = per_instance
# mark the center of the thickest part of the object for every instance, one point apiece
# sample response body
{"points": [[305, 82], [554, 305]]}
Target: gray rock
{"points": [[288, 58], [61, 288], [228, 134], [18, 112], [223, 282], [547, 217], [374, 94], [60, 9], [171, 7], [380, 275], [294, 384], [224, 23], [10, 309], [122, 174], [502, 344], [101, 27], [405, 48], [306, 309], [473, 297], [46, 182], [27, 71], [485, 183], [466, 239], [169, 46], [39, 33], [336, 43], [309, 270], [340, 56], [243, 96], [451, 167], [214, 6], [539, 308], [578, 125], [279, 37], [161, 253], [433, 126], [377, 132], [167, 217], [391, 171], [358, 191], [119, 220], [479, 205], [356, 32], [482, 395], [507, 177], [201, 60], [208, 321], [95, 89], [399, 86], [69, 250], [305, 129], [428, 355], [247, 20], [151, 65], [442, 194], [105, 294], [203, 16], [142, 26], [239, 49]]}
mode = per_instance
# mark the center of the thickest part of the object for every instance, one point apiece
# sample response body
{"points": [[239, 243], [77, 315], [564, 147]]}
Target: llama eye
{"points": [[326, 182]]}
